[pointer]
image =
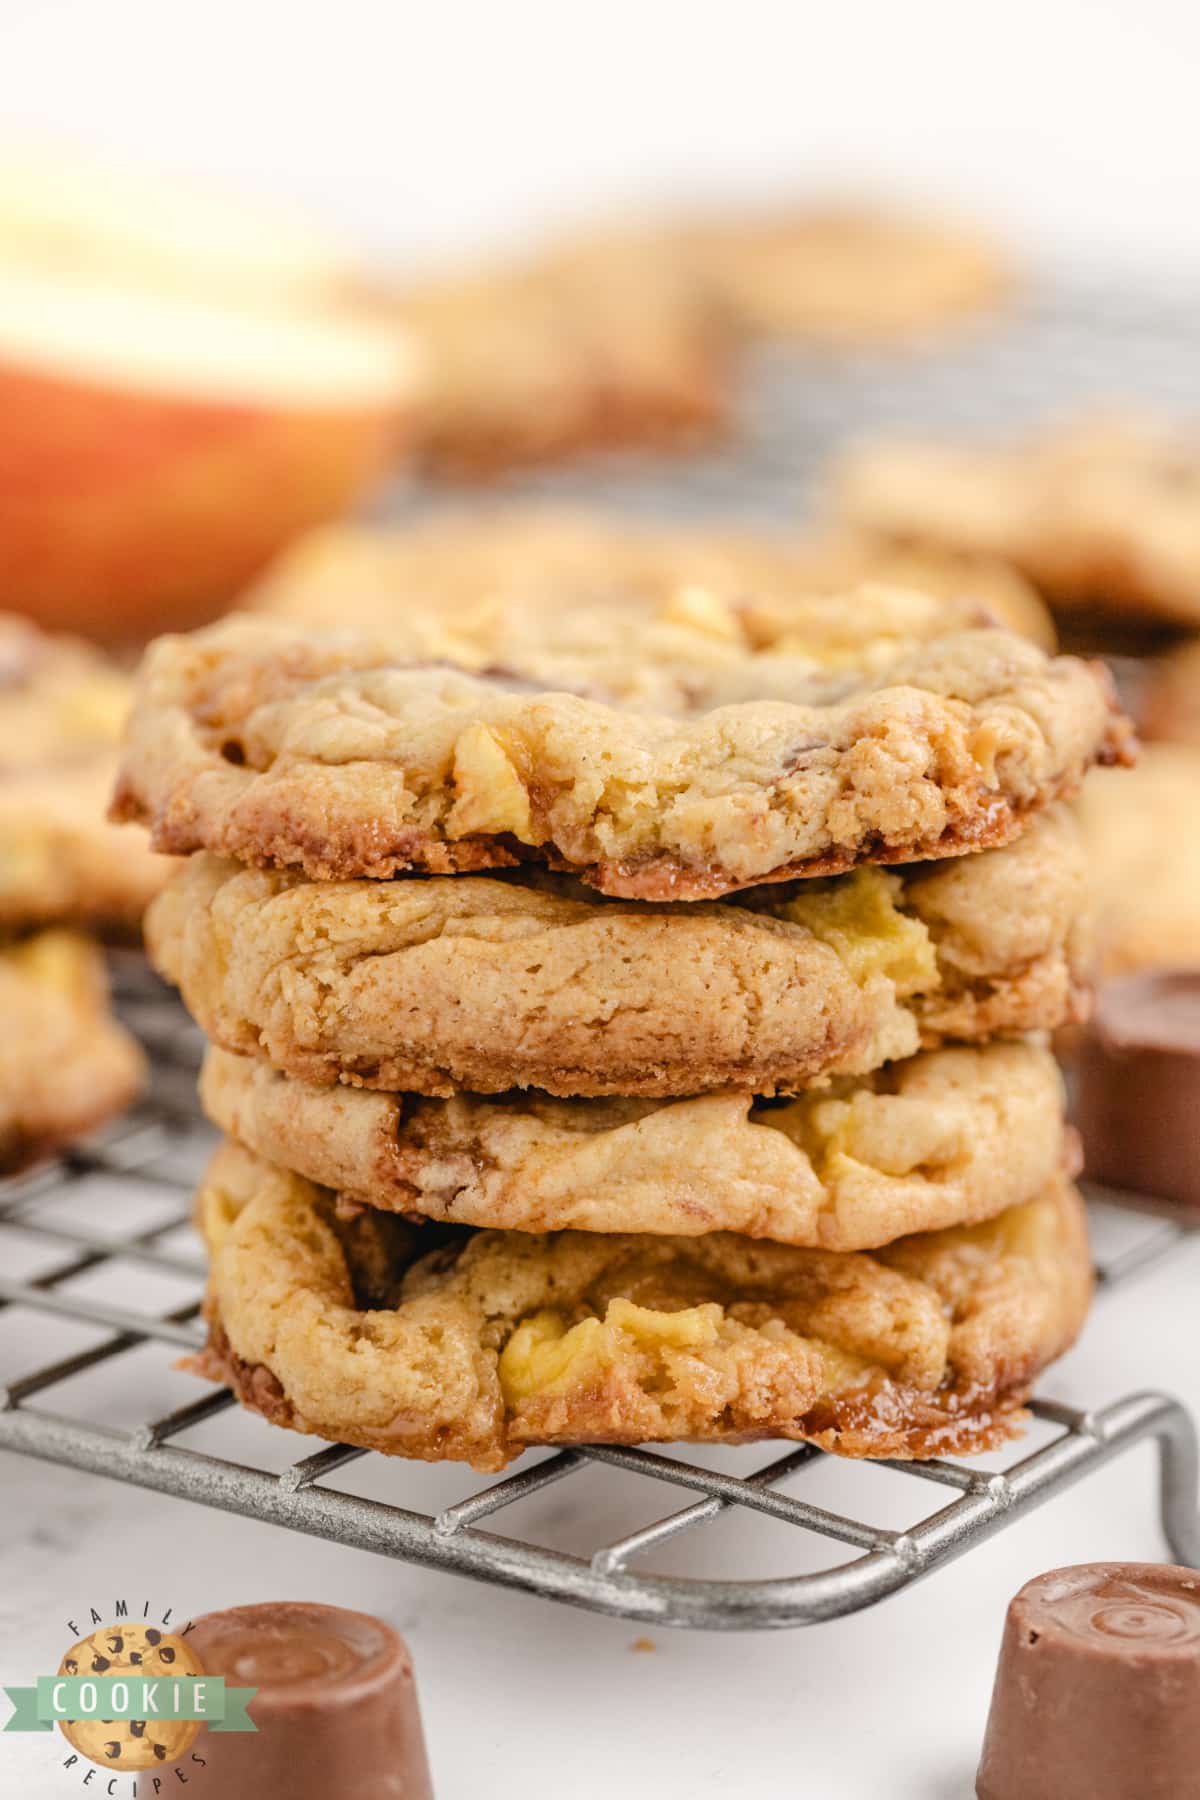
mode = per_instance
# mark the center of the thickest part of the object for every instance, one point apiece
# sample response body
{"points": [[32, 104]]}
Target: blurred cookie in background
{"points": [[836, 562], [65, 1064], [674, 616], [508, 575], [1101, 514], [1145, 860], [845, 274], [624, 336], [182, 390], [62, 710], [588, 346]]}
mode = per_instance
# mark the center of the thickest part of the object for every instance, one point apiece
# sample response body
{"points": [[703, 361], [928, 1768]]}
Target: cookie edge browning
{"points": [[883, 1418]]}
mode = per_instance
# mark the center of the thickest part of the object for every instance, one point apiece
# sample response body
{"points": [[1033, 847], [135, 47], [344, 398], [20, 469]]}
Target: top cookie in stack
{"points": [[329, 754], [589, 1074]]}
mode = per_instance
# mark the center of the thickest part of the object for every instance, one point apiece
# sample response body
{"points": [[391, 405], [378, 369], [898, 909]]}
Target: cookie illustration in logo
{"points": [[134, 1650]]}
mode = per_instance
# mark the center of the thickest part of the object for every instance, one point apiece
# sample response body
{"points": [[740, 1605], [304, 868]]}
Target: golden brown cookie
{"points": [[844, 275], [62, 707], [496, 1340], [65, 1064], [486, 983], [554, 591], [275, 745], [590, 345], [1144, 856], [946, 1138], [1103, 514]]}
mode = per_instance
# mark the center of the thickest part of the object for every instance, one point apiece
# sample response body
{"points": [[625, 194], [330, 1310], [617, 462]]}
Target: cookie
{"points": [[577, 348], [844, 275], [275, 745], [65, 1064], [1100, 515], [555, 591], [945, 1138], [1145, 860], [496, 1340], [133, 1650], [62, 707], [487, 984]]}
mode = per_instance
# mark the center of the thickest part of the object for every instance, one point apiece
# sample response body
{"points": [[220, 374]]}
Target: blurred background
{"points": [[423, 129]]}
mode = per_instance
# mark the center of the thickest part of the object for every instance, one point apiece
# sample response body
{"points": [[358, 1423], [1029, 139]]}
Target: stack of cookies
{"points": [[624, 1066]]}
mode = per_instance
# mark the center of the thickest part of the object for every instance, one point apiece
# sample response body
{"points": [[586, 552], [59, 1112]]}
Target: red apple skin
{"points": [[124, 513]]}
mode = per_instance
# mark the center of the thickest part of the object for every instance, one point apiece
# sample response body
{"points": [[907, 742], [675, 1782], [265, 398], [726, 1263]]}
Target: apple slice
{"points": [[73, 213], [156, 450]]}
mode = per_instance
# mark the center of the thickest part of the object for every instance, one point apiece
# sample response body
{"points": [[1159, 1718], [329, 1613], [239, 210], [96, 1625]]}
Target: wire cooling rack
{"points": [[158, 1150], [1067, 348]]}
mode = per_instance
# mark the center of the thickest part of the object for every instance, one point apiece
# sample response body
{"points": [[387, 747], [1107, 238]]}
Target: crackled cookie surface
{"points": [[62, 706], [262, 742], [436, 984], [563, 586], [945, 1138], [495, 1340], [65, 1063], [1102, 514]]}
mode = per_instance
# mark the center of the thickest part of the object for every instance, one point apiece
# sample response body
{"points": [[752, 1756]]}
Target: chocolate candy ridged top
{"points": [[336, 1707], [1097, 1693], [1138, 1086]]}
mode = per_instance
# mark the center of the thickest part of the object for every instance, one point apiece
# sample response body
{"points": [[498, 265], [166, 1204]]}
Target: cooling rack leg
{"points": [[1179, 1477], [1160, 1416]]}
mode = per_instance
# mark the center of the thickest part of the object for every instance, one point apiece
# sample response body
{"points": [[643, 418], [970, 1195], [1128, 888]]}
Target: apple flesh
{"points": [[157, 450], [71, 212]]}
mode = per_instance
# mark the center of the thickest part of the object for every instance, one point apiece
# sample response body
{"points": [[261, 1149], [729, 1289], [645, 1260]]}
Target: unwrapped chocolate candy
{"points": [[1097, 1693], [1137, 1101], [336, 1709]]}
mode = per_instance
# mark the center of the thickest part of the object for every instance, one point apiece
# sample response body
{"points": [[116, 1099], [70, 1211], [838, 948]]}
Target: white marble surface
{"points": [[520, 1696]]}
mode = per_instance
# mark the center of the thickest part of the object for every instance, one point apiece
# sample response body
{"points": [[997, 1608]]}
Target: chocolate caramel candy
{"points": [[336, 1708], [1097, 1692], [1138, 1096]]}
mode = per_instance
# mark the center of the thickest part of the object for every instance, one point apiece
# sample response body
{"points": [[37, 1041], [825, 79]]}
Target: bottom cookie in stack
{"points": [[435, 1342]]}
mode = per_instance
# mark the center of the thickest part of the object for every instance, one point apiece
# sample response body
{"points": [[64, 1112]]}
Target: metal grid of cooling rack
{"points": [[1068, 347], [1071, 346], [153, 1147]]}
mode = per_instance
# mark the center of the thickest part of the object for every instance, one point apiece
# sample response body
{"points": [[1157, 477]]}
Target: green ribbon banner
{"points": [[130, 1696]]}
